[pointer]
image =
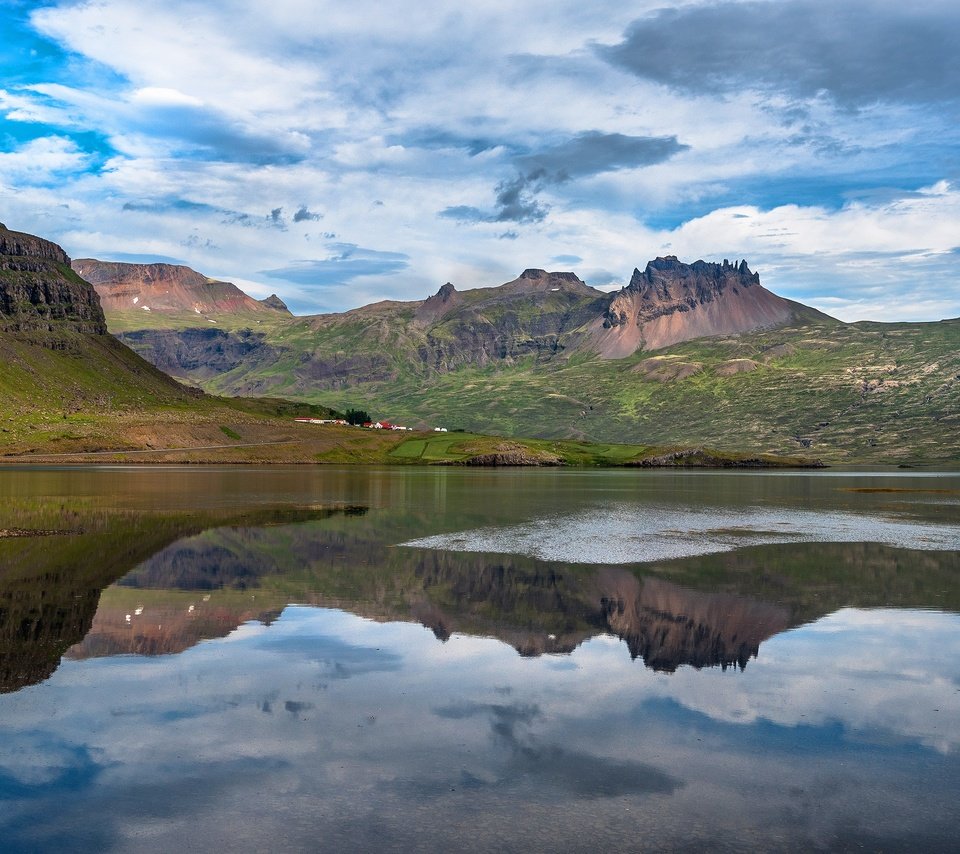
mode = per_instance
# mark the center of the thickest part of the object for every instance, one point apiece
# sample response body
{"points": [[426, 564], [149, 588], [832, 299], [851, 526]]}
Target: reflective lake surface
{"points": [[513, 660]]}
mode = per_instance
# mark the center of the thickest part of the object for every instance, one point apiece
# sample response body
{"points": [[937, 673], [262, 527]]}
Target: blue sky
{"points": [[340, 155]]}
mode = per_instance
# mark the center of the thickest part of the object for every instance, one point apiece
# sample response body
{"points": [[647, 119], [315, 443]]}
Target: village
{"points": [[370, 425]]}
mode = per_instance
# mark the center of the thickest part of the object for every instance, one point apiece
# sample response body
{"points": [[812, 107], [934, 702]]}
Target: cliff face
{"points": [[169, 288], [670, 302], [39, 291]]}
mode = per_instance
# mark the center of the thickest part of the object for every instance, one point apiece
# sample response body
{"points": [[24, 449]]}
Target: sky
{"points": [[337, 154]]}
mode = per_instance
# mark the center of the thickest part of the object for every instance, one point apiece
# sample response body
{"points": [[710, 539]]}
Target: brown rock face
{"points": [[670, 302], [39, 291], [168, 288]]}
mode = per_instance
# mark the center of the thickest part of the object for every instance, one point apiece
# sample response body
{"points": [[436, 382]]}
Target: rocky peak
{"points": [[668, 285], [274, 302], [671, 301], [533, 280], [435, 307], [535, 274], [446, 291], [669, 278], [39, 291]]}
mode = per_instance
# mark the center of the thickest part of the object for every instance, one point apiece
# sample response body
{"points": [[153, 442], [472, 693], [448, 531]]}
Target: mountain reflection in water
{"points": [[536, 609], [206, 585]]}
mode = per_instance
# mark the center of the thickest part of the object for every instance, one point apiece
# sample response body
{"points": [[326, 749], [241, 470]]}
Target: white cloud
{"points": [[245, 108], [159, 96], [41, 161]]}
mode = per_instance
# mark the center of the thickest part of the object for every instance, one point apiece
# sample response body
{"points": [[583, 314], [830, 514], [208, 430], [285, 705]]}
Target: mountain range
{"points": [[685, 354]]}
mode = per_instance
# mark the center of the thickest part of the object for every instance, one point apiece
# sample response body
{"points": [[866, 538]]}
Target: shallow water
{"points": [[427, 659]]}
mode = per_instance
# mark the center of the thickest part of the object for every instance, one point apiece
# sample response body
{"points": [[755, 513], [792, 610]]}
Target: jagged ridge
{"points": [[671, 302]]}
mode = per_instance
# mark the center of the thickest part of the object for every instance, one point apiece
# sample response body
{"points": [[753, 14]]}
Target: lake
{"points": [[337, 659]]}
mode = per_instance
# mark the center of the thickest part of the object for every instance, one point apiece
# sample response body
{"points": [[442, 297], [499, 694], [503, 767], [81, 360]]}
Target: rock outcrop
{"points": [[274, 302], [440, 304], [670, 302], [38, 290]]}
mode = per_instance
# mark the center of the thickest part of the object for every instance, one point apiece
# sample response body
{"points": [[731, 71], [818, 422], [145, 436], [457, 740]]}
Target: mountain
{"points": [[540, 314], [671, 302], [685, 354], [127, 291]]}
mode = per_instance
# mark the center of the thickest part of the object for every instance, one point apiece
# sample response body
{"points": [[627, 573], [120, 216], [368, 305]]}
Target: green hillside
{"points": [[867, 392]]}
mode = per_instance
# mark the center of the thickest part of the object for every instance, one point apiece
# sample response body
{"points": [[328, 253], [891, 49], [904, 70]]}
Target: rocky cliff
{"points": [[38, 290], [670, 302]]}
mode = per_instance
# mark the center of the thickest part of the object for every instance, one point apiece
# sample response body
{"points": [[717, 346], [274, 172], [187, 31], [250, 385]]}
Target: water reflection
{"points": [[287, 676]]}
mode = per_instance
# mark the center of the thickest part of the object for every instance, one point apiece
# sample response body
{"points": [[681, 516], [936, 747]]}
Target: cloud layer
{"points": [[817, 141]]}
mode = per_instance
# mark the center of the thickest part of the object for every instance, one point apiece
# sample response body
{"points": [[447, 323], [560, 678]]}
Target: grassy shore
{"points": [[170, 438]]}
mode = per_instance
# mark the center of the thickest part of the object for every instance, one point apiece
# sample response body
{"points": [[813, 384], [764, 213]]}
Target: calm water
{"points": [[434, 659]]}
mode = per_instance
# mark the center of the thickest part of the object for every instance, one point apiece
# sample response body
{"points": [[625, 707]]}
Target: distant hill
{"points": [[686, 354], [181, 295]]}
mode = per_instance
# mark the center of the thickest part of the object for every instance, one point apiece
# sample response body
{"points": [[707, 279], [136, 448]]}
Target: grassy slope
{"points": [[881, 393], [69, 392], [131, 320]]}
